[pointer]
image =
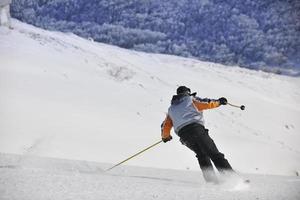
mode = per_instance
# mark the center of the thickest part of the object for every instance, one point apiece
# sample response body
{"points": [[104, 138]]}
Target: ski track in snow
{"points": [[26, 177]]}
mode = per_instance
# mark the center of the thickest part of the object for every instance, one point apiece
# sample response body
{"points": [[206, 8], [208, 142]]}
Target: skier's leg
{"points": [[212, 151], [206, 167], [203, 159]]}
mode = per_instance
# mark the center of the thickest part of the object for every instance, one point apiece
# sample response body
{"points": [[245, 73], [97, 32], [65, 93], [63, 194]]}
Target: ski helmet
{"points": [[183, 90]]}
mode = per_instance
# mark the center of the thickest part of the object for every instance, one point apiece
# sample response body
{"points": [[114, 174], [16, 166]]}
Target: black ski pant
{"points": [[195, 137]]}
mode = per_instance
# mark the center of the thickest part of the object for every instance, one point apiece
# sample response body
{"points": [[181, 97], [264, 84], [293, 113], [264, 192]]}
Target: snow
{"points": [[66, 97], [26, 177], [4, 14]]}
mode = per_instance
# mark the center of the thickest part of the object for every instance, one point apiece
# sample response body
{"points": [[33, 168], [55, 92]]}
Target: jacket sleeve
{"points": [[200, 105], [166, 127], [205, 100]]}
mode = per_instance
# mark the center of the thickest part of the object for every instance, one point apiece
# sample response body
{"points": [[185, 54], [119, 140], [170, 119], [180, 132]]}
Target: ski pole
{"points": [[135, 155], [242, 107]]}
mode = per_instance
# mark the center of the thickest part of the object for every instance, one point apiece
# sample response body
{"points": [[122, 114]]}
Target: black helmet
{"points": [[183, 90]]}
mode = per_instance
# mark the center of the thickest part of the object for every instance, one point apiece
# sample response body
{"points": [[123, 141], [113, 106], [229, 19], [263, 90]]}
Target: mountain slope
{"points": [[67, 97]]}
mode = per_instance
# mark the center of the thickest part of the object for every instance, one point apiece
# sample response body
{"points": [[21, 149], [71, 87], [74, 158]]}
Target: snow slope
{"points": [[35, 178], [67, 97]]}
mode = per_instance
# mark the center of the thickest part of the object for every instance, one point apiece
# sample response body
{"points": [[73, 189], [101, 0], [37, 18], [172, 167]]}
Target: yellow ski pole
{"points": [[135, 155]]}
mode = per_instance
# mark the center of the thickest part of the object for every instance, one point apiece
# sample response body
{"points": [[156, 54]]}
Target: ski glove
{"points": [[167, 139], [223, 101]]}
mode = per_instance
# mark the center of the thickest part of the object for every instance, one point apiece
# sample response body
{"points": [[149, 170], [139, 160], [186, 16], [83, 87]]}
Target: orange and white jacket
{"points": [[185, 110]]}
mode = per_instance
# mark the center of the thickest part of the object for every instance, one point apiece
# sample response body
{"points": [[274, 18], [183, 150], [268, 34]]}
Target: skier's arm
{"points": [[206, 105], [166, 127], [204, 100]]}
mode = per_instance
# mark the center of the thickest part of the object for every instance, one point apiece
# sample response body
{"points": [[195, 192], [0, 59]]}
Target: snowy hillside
{"points": [[66, 97]]}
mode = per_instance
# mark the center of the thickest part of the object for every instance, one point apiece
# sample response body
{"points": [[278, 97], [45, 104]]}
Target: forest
{"points": [[263, 35]]}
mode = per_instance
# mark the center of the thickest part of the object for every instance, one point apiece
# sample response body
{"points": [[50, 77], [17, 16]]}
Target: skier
{"points": [[185, 115]]}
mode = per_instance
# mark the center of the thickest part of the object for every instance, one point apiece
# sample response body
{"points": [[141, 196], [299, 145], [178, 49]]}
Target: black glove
{"points": [[167, 139], [223, 101]]}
